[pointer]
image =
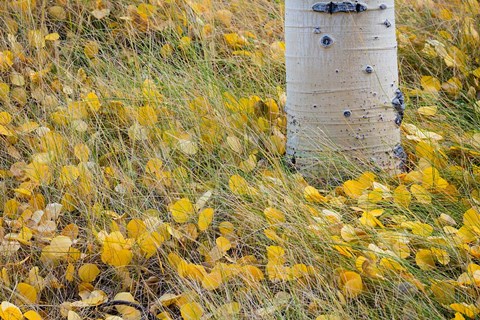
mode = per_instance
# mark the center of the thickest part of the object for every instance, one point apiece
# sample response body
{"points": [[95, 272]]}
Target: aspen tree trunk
{"points": [[342, 84]]}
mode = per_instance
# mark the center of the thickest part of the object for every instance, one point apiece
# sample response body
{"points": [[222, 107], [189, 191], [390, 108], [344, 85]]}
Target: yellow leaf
{"points": [[57, 12], [369, 219], [5, 118], [69, 174], [225, 17], [185, 43], [188, 147], [278, 144], [191, 311], [52, 36], [444, 292], [353, 189], [4, 89], [6, 60], [27, 291], [82, 152], [452, 86], [249, 164], [91, 49], [154, 166], [166, 50], [70, 272], [93, 102], [402, 196], [150, 242], [238, 185], [231, 309], [391, 264], [150, 91], [234, 40], [36, 38], [330, 316], [223, 243], [212, 281], [32, 315], [468, 310], [351, 284], [163, 316], [433, 180], [418, 228], [6, 132], [182, 210], [28, 127], [191, 271], [274, 216], [421, 194], [311, 194], [147, 116], [277, 50], [226, 228], [299, 270], [38, 173], [366, 179], [88, 272], [458, 316], [94, 298], [72, 315], [430, 84], [235, 144], [127, 312], [100, 13], [272, 235], [10, 208], [24, 235], [275, 255], [252, 274], [441, 255], [348, 233], [116, 250], [425, 259], [146, 10], [428, 111], [374, 196], [205, 218], [465, 234], [9, 311], [476, 73], [58, 248], [135, 228], [455, 58]]}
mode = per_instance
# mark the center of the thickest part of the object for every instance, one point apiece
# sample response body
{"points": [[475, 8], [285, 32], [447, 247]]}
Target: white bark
{"points": [[340, 93]]}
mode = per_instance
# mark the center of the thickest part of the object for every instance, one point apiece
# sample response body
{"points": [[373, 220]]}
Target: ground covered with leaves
{"points": [[141, 170]]}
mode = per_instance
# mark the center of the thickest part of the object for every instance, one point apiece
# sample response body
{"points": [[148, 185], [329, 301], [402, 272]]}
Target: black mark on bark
{"points": [[399, 153], [335, 7], [398, 103], [326, 41]]}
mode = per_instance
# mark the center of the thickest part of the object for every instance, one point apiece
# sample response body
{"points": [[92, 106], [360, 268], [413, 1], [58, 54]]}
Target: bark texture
{"points": [[342, 85]]}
